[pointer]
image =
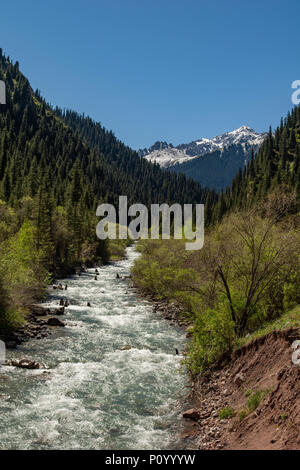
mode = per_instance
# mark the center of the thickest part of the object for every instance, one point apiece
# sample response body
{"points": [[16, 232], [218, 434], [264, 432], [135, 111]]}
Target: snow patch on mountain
{"points": [[167, 155]]}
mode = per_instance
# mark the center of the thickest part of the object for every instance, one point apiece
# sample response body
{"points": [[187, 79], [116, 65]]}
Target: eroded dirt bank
{"points": [[261, 389]]}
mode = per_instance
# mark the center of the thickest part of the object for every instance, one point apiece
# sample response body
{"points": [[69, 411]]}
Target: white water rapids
{"points": [[96, 395]]}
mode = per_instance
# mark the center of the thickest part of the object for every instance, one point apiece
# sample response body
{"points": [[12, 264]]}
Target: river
{"points": [[96, 395]]}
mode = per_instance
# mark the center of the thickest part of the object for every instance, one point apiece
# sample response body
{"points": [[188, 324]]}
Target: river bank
{"points": [[252, 401]]}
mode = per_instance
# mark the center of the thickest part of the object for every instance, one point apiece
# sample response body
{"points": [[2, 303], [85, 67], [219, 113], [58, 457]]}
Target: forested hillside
{"points": [[277, 164], [216, 168], [247, 276], [39, 144], [142, 182], [55, 168]]}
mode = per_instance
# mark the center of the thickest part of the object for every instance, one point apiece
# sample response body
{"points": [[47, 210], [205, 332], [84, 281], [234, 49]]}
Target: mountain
{"points": [[57, 166], [212, 162], [38, 143], [216, 169], [167, 155]]}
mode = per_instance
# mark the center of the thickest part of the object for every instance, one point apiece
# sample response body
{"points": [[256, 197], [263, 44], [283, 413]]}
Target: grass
{"points": [[290, 319], [283, 417], [226, 413], [242, 414], [254, 400]]}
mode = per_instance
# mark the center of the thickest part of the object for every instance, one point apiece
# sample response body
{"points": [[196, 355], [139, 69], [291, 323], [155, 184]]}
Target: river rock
{"points": [[26, 364], [191, 414], [126, 348], [53, 321], [38, 310], [59, 287], [239, 379], [59, 311]]}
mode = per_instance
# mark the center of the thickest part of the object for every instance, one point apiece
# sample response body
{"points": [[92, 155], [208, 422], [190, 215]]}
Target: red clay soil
{"points": [[265, 365]]}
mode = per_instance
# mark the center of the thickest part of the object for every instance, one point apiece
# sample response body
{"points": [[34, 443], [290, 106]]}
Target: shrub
{"points": [[254, 400], [23, 277], [213, 338], [226, 413], [242, 414]]}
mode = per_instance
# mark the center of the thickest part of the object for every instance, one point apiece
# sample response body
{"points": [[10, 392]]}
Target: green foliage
{"points": [[283, 416], [213, 339], [254, 400], [10, 318], [276, 166], [291, 291], [287, 320], [244, 278], [242, 414], [73, 159], [161, 270], [24, 276], [226, 413], [56, 167]]}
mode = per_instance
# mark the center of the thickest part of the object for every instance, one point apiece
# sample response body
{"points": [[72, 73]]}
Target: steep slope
{"points": [[276, 165], [260, 386], [55, 168], [216, 170], [39, 144], [149, 183]]}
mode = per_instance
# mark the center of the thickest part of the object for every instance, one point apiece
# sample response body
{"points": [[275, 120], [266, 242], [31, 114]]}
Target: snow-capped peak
{"points": [[166, 155]]}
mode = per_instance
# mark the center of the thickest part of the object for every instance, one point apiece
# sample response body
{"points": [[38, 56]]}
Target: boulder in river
{"points": [[59, 287], [60, 311], [53, 321], [126, 348], [26, 364]]}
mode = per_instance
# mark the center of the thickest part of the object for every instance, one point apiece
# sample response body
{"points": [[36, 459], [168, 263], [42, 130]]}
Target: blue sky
{"points": [[160, 69]]}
